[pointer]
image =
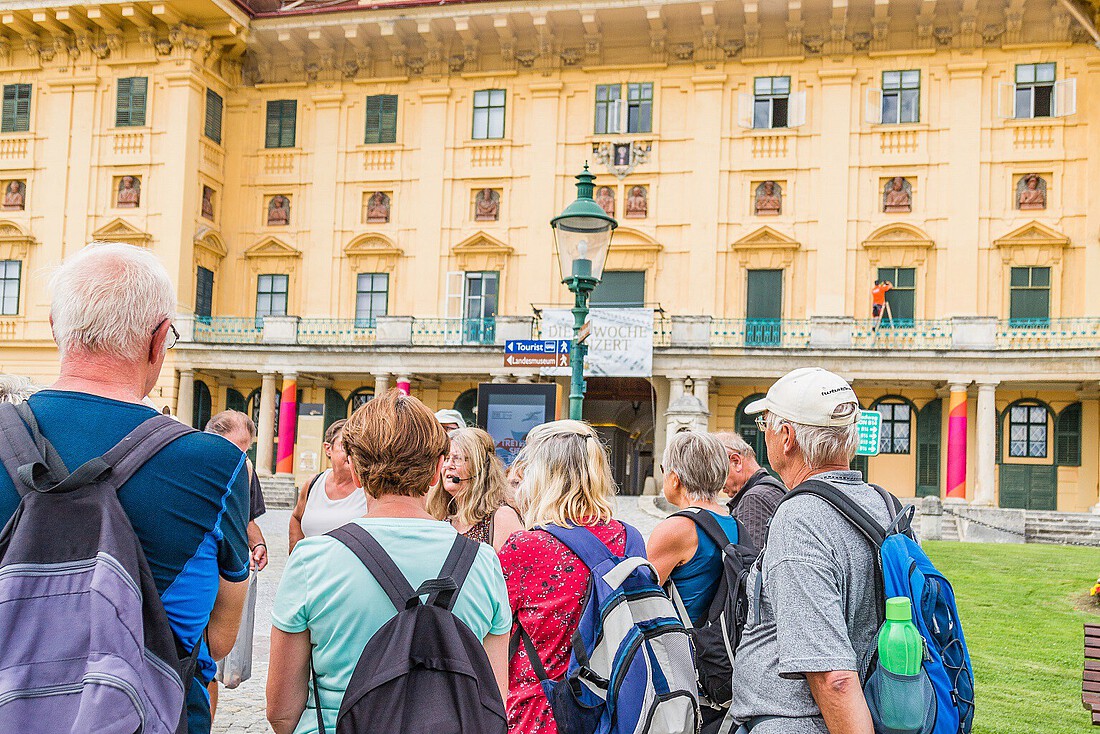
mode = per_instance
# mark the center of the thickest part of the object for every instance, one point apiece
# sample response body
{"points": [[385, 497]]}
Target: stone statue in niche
{"points": [[129, 192], [637, 203], [605, 197], [1031, 193], [15, 194], [487, 206], [769, 199], [208, 202], [378, 208], [278, 211], [897, 196]]}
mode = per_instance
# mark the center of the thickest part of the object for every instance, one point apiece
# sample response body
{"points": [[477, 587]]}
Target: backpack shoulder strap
{"points": [[456, 568], [372, 555], [140, 445], [584, 543], [708, 525], [856, 515], [24, 444], [902, 515]]}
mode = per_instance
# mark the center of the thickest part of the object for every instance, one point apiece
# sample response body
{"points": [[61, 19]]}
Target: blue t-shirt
{"points": [[697, 580], [188, 504]]}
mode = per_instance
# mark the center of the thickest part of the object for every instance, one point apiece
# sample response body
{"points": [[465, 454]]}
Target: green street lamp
{"points": [[583, 235]]}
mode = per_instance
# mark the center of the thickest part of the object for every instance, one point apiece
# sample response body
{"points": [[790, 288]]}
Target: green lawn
{"points": [[1018, 608]]}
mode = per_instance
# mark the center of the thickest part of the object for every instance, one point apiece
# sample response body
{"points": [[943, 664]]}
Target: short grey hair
{"points": [[734, 442], [701, 463], [821, 445], [16, 389], [108, 299]]}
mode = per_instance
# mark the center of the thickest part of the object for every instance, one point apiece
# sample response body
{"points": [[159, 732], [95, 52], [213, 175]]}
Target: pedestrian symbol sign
{"points": [[870, 429]]}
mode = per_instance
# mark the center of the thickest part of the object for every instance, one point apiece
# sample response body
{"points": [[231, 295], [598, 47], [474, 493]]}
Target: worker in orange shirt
{"points": [[878, 299]]}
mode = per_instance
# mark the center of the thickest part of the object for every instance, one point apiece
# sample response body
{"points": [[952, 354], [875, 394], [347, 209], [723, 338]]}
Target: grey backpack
{"points": [[86, 641]]}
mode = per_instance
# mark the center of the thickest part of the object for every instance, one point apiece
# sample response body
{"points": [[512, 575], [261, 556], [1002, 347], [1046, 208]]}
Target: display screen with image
{"points": [[509, 412]]}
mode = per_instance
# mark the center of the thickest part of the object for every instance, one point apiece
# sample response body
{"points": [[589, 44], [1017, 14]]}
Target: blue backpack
{"points": [[631, 670], [941, 696]]}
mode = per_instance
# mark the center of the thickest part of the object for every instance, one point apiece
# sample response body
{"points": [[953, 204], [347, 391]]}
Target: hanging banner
{"points": [[620, 341]]}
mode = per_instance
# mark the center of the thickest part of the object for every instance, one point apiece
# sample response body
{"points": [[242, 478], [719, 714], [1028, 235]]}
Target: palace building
{"points": [[352, 196]]}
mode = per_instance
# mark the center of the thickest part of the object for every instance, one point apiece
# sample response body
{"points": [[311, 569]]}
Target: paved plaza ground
{"points": [[242, 710]]}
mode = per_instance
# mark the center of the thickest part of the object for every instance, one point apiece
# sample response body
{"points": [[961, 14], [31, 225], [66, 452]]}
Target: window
{"points": [[902, 297], [764, 308], [130, 101], [9, 286], [17, 108], [1029, 297], [480, 306], [381, 119], [204, 293], [282, 122], [271, 292], [1067, 436], [1027, 431], [900, 96], [607, 108], [489, 114], [1034, 90], [894, 438], [770, 98], [639, 108], [372, 295], [620, 289], [213, 127]]}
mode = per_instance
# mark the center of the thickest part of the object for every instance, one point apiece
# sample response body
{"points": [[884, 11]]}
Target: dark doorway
{"points": [[621, 410]]}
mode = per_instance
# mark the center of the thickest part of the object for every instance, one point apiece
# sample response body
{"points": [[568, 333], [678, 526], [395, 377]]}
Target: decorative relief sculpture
{"points": [[129, 192], [208, 202], [15, 195], [378, 208], [622, 158], [637, 203], [278, 211], [897, 196], [487, 206], [605, 197], [769, 199], [1031, 193]]}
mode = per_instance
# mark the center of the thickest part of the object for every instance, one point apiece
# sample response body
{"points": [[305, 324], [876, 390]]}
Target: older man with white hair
{"points": [[811, 626], [112, 312]]}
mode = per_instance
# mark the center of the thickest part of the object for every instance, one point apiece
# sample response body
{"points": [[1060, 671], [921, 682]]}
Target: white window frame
{"points": [[1063, 102], [796, 108]]}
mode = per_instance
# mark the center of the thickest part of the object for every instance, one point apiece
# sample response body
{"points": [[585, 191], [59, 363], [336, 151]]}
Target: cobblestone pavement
{"points": [[243, 710]]}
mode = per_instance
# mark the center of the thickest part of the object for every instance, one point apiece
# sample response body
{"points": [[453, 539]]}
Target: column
{"points": [[404, 384], [67, 141], [704, 189], [830, 269], [661, 387], [176, 184], [956, 442], [701, 388], [288, 424], [323, 202], [987, 443], [541, 194], [185, 397], [381, 384], [430, 197], [266, 440], [675, 388]]}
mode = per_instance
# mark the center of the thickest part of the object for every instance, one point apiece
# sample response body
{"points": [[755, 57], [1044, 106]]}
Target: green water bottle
{"points": [[900, 646]]}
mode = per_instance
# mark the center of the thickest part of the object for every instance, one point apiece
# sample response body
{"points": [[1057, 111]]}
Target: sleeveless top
{"points": [[323, 513], [697, 580]]}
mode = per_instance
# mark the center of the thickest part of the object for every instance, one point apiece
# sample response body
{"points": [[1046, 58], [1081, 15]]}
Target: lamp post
{"points": [[583, 235]]}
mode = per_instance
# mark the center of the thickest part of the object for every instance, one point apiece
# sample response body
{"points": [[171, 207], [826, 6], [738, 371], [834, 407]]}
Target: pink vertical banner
{"points": [[956, 445], [404, 386], [288, 425]]}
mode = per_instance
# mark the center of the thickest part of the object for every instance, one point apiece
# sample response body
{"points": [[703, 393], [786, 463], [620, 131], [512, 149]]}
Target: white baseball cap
{"points": [[447, 415], [809, 396]]}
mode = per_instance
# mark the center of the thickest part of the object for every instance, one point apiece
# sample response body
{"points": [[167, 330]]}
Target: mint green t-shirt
{"points": [[328, 591]]}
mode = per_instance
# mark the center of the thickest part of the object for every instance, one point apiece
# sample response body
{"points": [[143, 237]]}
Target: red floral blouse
{"points": [[546, 583]]}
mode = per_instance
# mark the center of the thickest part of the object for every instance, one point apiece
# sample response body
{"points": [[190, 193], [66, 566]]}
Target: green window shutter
{"points": [[281, 123], [10, 96], [122, 103], [336, 408], [289, 123], [16, 108], [929, 428], [1067, 436], [234, 400], [1015, 482], [388, 123], [765, 294], [374, 120], [213, 125], [138, 94], [271, 134]]}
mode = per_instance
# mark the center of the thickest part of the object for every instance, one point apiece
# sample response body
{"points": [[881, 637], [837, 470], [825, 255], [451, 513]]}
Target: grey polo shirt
{"points": [[817, 613]]}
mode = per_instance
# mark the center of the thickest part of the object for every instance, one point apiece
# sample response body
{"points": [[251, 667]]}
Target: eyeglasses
{"points": [[173, 335], [762, 422]]}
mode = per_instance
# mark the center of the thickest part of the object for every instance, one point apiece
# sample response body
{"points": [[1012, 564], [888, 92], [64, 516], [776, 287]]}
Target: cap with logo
{"points": [[810, 396], [447, 416]]}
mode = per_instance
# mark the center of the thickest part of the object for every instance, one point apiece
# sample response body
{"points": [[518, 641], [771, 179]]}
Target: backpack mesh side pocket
{"points": [[901, 704]]}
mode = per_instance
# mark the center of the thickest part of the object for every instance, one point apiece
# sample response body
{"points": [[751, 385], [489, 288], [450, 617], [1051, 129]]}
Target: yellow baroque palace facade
{"points": [[356, 196]]}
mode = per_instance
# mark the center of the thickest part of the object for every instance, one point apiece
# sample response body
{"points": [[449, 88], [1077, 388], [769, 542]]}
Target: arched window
{"points": [[234, 400], [336, 408], [897, 424], [359, 398], [200, 410], [1028, 437], [746, 426], [466, 404]]}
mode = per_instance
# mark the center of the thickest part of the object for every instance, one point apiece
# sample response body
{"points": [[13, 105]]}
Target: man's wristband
{"points": [[259, 545]]}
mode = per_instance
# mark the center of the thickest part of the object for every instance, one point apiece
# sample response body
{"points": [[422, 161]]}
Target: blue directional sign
{"points": [[537, 346]]}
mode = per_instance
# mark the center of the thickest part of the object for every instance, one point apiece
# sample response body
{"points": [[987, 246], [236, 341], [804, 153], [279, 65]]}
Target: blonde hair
{"points": [[566, 476], [394, 444], [487, 490]]}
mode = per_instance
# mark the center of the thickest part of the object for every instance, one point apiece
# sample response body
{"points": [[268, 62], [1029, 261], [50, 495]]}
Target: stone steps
{"points": [[280, 491]]}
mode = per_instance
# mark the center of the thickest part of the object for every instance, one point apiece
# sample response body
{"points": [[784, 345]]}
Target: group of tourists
{"points": [[430, 588]]}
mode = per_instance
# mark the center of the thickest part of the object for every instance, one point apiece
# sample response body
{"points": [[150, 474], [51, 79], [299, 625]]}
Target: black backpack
{"points": [[424, 670], [87, 643], [717, 637]]}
